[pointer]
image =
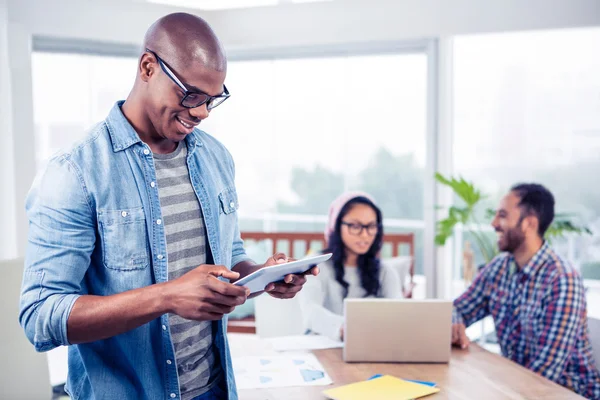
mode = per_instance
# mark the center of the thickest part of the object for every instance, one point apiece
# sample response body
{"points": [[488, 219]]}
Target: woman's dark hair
{"points": [[368, 263]]}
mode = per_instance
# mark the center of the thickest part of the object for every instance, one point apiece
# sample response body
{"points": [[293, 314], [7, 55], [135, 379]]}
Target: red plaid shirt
{"points": [[540, 317]]}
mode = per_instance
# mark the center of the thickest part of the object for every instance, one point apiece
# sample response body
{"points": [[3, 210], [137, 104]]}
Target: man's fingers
{"points": [[276, 259], [454, 334], [210, 316], [228, 289], [218, 298], [282, 288], [292, 279], [220, 270], [218, 308], [279, 295], [464, 339]]}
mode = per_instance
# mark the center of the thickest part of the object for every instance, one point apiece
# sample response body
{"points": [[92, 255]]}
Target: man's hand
{"points": [[199, 295], [459, 336], [291, 284]]}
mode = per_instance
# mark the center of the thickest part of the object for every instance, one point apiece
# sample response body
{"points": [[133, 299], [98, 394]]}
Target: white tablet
{"points": [[258, 280]]}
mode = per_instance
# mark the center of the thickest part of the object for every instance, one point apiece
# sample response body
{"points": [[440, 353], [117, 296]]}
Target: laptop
{"points": [[397, 330]]}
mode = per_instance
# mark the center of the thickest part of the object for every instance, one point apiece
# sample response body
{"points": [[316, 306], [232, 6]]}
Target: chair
{"points": [[594, 330], [25, 373]]}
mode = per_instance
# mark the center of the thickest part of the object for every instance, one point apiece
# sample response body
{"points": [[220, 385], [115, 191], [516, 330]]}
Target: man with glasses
{"points": [[133, 236]]}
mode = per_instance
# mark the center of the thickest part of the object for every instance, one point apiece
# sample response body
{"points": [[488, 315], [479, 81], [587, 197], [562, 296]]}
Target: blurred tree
{"points": [[315, 190], [396, 182]]}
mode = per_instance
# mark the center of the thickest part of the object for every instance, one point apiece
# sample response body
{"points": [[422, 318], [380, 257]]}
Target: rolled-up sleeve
{"points": [[62, 235]]}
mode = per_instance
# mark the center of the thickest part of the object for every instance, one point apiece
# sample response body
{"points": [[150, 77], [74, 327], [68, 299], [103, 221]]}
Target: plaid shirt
{"points": [[540, 317]]}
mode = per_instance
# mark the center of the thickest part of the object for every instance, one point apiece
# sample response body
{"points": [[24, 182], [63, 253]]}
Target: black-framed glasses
{"points": [[357, 229], [192, 98]]}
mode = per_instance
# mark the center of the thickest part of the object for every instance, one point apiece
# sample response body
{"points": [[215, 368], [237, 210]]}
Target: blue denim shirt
{"points": [[95, 228]]}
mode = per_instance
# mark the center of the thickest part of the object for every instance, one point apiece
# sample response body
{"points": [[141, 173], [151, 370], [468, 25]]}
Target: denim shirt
{"points": [[95, 228]]}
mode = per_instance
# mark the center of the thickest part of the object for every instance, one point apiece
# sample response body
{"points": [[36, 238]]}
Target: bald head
{"points": [[186, 40]]}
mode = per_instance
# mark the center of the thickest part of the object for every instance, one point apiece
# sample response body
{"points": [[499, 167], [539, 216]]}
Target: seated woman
{"points": [[354, 234]]}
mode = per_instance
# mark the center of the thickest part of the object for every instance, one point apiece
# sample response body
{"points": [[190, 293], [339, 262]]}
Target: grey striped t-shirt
{"points": [[197, 360]]}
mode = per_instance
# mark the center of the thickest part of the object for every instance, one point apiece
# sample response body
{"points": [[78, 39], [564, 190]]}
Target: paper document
{"points": [[279, 371], [303, 342], [384, 388]]}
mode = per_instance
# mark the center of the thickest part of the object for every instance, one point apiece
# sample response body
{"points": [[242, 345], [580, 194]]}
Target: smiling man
{"points": [[133, 234], [537, 299]]}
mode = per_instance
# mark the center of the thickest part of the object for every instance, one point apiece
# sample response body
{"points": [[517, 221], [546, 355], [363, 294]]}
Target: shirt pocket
{"points": [[228, 205], [228, 201], [124, 239], [498, 304], [532, 317]]}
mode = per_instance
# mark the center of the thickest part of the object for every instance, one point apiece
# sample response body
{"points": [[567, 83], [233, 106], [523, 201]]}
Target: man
{"points": [[537, 300], [134, 232]]}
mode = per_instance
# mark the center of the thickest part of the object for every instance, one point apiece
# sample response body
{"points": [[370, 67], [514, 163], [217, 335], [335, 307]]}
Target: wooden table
{"points": [[471, 374]]}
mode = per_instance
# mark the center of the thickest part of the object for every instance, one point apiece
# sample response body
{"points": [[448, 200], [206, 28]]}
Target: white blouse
{"points": [[322, 301]]}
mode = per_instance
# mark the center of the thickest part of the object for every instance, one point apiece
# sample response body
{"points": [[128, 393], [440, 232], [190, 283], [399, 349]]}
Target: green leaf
{"points": [[463, 189], [563, 222], [562, 225]]}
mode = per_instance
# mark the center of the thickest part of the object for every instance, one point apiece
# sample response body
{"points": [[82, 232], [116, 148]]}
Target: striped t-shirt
{"points": [[197, 360]]}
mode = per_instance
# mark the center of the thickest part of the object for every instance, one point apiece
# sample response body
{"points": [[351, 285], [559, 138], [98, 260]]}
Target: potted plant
{"points": [[468, 215]]}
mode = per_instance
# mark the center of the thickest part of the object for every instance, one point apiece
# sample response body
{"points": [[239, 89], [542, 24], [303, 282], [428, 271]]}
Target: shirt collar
{"points": [[123, 135], [537, 261]]}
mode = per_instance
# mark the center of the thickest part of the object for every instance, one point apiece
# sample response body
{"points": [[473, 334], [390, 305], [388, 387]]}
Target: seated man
{"points": [[537, 299]]}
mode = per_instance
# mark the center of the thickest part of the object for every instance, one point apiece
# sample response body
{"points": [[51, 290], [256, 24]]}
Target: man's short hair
{"points": [[536, 200]]}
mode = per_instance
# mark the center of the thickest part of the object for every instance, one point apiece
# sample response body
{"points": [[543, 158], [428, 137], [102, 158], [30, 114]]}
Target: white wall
{"points": [[7, 175], [391, 20], [23, 371], [339, 21], [19, 58]]}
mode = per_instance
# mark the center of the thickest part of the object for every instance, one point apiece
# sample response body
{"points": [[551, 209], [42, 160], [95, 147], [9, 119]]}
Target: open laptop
{"points": [[394, 330]]}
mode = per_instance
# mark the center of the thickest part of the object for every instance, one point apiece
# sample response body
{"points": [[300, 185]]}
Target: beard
{"points": [[512, 239]]}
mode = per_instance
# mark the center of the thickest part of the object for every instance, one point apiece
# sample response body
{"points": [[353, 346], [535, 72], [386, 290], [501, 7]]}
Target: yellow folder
{"points": [[384, 388]]}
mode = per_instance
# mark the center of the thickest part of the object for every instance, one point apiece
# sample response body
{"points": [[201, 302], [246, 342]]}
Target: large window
{"points": [[72, 92], [301, 130], [527, 108], [304, 130]]}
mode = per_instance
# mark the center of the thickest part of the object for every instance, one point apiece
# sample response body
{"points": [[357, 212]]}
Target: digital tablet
{"points": [[258, 280]]}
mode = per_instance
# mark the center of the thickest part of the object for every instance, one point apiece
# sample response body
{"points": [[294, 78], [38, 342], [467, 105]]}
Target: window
{"points": [[301, 130], [72, 92], [527, 108], [304, 130]]}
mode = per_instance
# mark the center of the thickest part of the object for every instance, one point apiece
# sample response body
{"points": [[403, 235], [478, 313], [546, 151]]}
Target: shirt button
{"points": [[124, 214], [146, 151], [158, 222], [173, 395], [160, 256], [164, 327], [152, 184], [232, 204], [169, 362]]}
